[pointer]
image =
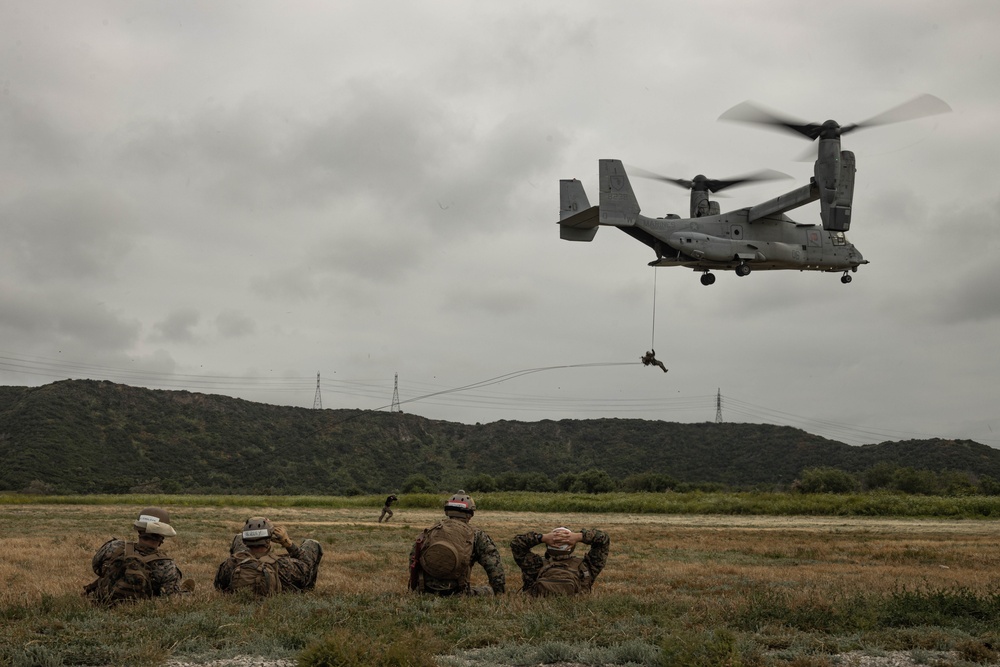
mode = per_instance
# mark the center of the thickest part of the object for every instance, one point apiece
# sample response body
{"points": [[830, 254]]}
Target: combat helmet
{"points": [[560, 550], [257, 531], [154, 521], [460, 505]]}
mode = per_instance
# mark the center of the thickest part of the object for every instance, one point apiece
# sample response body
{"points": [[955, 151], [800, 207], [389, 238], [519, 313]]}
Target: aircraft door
{"points": [[814, 246]]}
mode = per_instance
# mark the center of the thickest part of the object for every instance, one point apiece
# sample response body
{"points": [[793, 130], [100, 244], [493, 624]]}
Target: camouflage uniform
{"points": [[164, 575], [484, 552], [297, 570], [385, 509], [530, 562]]}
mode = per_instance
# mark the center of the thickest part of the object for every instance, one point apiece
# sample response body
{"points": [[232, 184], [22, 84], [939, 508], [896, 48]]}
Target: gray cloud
{"points": [[241, 190], [178, 326]]}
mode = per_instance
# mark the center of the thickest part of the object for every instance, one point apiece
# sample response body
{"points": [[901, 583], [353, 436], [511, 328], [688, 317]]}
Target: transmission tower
{"points": [[395, 394], [718, 406], [318, 400]]}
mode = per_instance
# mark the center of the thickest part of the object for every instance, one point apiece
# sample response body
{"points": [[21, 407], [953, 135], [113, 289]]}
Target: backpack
{"points": [[446, 552], [258, 574], [561, 577], [127, 577]]}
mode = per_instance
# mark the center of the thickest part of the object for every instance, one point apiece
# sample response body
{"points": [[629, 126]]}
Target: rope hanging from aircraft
{"points": [[652, 336]]}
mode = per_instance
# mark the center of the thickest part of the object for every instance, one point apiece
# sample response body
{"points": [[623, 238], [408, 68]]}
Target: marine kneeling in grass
{"points": [[560, 572], [128, 571], [253, 564]]}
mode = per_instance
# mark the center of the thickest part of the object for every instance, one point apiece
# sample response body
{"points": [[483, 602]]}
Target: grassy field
{"points": [[679, 589]]}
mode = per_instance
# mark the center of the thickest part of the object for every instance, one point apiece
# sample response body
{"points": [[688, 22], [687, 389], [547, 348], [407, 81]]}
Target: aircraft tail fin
{"points": [[577, 218], [572, 198], [618, 204]]}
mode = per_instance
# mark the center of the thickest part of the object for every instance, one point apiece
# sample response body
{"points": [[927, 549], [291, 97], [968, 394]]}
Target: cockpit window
{"points": [[838, 238]]}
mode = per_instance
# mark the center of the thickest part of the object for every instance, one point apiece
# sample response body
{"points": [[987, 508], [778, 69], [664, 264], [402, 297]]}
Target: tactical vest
{"points": [[258, 574], [446, 555], [565, 576], [128, 576]]}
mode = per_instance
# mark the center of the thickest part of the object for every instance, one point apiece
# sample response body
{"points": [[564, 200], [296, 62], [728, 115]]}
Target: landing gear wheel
{"points": [[742, 270], [845, 278], [707, 278]]}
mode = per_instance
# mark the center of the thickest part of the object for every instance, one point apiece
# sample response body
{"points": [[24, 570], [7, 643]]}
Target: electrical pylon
{"points": [[395, 394], [318, 400], [718, 406]]}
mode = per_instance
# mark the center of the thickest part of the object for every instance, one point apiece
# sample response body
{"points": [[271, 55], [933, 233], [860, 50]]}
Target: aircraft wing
{"points": [[784, 203]]}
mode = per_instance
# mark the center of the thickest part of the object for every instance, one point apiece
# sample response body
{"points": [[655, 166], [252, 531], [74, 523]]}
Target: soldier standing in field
{"points": [[443, 555], [254, 565], [560, 572], [137, 570], [386, 512]]}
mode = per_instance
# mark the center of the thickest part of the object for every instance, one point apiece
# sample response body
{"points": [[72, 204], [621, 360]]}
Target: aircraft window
{"points": [[838, 238]]}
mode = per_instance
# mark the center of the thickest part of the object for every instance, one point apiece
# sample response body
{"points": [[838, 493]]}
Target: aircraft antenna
{"points": [[718, 406], [395, 394], [318, 399]]}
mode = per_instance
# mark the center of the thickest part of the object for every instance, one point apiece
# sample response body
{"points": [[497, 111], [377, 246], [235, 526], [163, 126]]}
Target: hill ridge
{"points": [[89, 436]]}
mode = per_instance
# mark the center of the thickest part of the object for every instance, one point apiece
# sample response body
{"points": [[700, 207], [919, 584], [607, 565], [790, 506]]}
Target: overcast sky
{"points": [[231, 197]]}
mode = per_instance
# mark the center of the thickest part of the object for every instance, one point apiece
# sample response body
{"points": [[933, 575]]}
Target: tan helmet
{"points": [[257, 531], [154, 521], [460, 505]]}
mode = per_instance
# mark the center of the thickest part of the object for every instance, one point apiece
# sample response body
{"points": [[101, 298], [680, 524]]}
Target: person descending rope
{"points": [[649, 359]]}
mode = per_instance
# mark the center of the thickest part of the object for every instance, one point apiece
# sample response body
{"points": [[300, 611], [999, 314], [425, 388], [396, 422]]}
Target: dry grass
{"points": [[46, 550], [666, 574]]}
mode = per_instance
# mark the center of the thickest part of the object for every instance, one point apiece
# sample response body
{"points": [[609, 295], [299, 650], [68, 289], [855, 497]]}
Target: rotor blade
{"points": [[918, 107], [749, 112], [643, 173], [755, 177], [711, 184]]}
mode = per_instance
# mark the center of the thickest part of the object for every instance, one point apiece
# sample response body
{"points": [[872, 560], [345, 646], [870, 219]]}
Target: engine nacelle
{"points": [[836, 215]]}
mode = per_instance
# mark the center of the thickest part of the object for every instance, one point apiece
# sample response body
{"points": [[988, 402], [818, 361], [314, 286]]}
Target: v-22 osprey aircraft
{"points": [[758, 237]]}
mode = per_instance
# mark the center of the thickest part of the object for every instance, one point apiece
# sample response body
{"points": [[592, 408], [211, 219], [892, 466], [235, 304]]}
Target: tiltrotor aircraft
{"points": [[758, 237]]}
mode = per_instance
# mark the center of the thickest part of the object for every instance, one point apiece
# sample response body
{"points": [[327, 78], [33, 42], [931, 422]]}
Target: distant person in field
{"points": [[649, 359], [560, 572], [443, 555], [386, 512], [128, 571], [254, 565]]}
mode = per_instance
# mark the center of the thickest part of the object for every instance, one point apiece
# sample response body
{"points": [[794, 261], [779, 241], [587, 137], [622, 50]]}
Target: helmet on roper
{"points": [[460, 505], [560, 550], [154, 521], [257, 531]]}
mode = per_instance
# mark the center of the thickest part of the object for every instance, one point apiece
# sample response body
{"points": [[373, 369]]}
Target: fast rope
{"points": [[652, 336], [486, 383]]}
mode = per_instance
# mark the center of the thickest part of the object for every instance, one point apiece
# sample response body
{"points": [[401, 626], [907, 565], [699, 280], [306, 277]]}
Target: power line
{"points": [[474, 395]]}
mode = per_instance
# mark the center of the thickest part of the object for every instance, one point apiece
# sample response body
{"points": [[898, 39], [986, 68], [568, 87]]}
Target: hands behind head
{"points": [[562, 537]]}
